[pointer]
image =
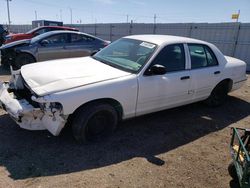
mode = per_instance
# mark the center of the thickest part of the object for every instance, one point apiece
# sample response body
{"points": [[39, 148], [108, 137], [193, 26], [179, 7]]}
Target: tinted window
{"points": [[201, 56], [56, 39], [41, 31], [211, 59], [172, 57], [78, 38]]}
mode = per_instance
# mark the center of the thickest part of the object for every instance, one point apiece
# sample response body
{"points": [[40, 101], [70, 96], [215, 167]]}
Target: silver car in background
{"points": [[48, 46]]}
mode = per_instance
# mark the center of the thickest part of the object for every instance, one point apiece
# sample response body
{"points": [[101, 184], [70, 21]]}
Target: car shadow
{"points": [[28, 154], [234, 184]]}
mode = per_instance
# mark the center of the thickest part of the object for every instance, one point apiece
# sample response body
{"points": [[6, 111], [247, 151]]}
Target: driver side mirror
{"points": [[156, 70], [44, 42]]}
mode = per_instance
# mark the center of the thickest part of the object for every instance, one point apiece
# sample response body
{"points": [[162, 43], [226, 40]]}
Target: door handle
{"points": [[185, 77], [217, 72]]}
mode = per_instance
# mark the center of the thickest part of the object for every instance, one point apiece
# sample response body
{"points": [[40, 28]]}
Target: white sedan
{"points": [[133, 76]]}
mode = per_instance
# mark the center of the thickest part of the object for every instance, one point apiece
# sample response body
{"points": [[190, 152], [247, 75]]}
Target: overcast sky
{"points": [[119, 11]]}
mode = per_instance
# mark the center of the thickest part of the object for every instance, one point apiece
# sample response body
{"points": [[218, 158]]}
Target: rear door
{"points": [[53, 47], [205, 70], [80, 45]]}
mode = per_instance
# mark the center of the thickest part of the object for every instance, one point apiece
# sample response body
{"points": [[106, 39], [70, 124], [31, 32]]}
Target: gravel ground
{"points": [[182, 147]]}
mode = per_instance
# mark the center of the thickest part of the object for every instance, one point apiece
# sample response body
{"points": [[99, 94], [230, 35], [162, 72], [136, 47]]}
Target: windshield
{"points": [[126, 54]]}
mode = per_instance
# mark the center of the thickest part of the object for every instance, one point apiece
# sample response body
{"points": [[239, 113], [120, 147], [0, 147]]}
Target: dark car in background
{"points": [[50, 45], [35, 32], [3, 33]]}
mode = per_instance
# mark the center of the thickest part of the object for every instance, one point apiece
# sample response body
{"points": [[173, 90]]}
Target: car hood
{"points": [[58, 75], [16, 43]]}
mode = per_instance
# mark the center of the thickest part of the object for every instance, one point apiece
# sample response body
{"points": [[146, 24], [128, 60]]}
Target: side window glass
{"points": [[201, 56], [211, 59], [41, 31], [198, 56], [77, 38], [55, 40], [172, 57]]}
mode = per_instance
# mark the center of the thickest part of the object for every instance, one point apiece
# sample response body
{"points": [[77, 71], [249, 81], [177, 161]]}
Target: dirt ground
{"points": [[182, 147]]}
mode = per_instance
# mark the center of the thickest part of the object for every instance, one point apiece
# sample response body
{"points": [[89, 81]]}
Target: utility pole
{"points": [[8, 9], [154, 24], [154, 18], [35, 15], [238, 16], [70, 15], [61, 14], [127, 18]]}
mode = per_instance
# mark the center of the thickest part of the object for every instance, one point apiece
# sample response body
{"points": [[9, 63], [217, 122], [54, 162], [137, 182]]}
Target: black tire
{"points": [[23, 59], [232, 171], [218, 96], [93, 121]]}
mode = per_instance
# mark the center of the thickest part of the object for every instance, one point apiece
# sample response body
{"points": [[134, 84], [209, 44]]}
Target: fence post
{"points": [[111, 32], [95, 29], [236, 39], [131, 27], [190, 30], [154, 30]]}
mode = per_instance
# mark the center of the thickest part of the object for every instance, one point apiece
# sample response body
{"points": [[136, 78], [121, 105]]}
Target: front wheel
{"points": [[93, 121], [232, 171]]}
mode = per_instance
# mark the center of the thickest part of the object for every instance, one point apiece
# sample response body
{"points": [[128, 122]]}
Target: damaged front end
{"points": [[28, 110]]}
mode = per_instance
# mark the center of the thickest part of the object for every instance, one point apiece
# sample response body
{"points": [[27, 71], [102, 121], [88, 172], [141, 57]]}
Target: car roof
{"points": [[61, 27], [165, 39], [66, 31]]}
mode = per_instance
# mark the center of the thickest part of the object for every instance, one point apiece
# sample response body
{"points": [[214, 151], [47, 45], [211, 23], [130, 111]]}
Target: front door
{"points": [[53, 47], [158, 92]]}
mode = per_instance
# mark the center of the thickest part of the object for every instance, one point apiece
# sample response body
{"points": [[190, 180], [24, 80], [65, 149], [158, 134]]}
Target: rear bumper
{"points": [[28, 117], [238, 84]]}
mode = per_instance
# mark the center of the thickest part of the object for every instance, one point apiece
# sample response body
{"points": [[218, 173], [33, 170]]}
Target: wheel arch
{"points": [[228, 82], [27, 53], [114, 103]]}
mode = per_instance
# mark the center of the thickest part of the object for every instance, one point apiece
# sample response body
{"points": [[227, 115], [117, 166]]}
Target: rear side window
{"points": [[79, 38], [172, 57], [201, 56], [41, 31]]}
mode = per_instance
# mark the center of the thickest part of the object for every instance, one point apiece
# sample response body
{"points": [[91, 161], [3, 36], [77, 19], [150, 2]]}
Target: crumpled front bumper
{"points": [[28, 117]]}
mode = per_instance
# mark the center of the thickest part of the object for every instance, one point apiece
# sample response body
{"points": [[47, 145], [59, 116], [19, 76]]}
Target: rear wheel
{"points": [[232, 171], [218, 95], [93, 121], [23, 59]]}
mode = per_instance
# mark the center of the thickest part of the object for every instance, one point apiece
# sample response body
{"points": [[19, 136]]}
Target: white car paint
{"points": [[77, 81], [50, 77]]}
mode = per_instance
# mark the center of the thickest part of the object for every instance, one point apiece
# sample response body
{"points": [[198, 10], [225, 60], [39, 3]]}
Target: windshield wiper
{"points": [[104, 61], [112, 64]]}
